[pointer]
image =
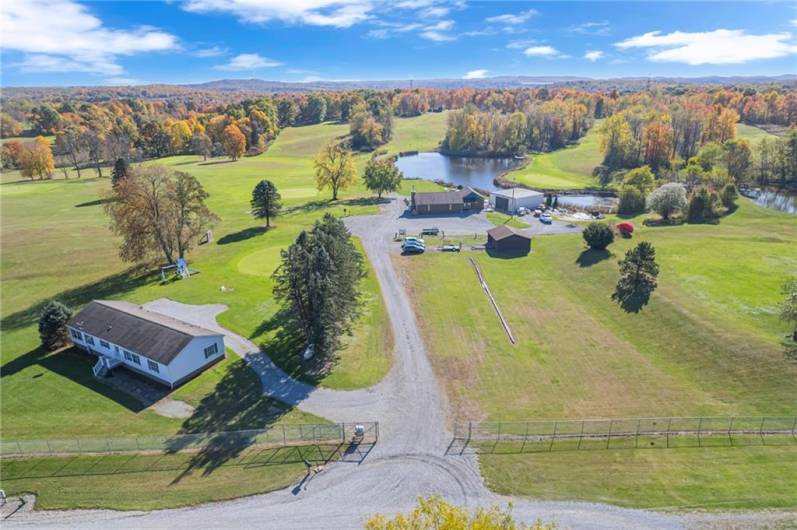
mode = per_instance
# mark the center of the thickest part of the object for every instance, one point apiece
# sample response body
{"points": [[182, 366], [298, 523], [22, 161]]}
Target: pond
{"points": [[777, 199], [588, 201], [460, 171]]}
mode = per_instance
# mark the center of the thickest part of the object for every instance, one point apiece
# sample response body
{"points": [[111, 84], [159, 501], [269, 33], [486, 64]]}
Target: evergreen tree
{"points": [[317, 284], [598, 236], [266, 201], [120, 170], [728, 196], [52, 325], [702, 205], [788, 313], [638, 272]]}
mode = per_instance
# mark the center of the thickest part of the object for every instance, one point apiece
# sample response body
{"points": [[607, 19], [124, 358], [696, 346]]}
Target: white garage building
{"points": [[162, 348], [509, 200]]}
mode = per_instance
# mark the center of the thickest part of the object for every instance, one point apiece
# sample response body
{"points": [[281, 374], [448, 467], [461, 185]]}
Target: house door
{"points": [[501, 203]]}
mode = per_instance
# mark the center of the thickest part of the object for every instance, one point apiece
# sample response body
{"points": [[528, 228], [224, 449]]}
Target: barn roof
{"points": [[153, 335], [517, 193], [444, 197], [504, 231]]}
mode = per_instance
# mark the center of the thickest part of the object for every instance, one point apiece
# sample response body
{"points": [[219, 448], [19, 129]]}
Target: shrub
{"points": [[632, 201], [668, 199], [52, 325], [598, 236], [728, 196], [702, 205]]}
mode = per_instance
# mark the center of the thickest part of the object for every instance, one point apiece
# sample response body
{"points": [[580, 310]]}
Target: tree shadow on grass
{"points": [[74, 365], [112, 286], [592, 256], [214, 162], [328, 203], [243, 235], [96, 202], [631, 302], [225, 423], [284, 345]]}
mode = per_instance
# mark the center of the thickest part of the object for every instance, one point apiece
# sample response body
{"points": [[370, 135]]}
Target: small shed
{"points": [[509, 200], [506, 239]]}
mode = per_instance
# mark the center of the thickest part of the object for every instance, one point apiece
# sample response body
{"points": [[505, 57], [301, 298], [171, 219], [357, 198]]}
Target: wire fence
{"points": [[665, 432], [276, 436]]}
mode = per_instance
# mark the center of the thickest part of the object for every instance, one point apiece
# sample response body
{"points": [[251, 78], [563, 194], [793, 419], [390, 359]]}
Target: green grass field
{"points": [[56, 244], [707, 343], [567, 168], [498, 218], [753, 134]]}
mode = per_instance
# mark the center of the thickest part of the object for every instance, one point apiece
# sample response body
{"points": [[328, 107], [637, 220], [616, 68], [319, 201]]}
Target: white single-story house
{"points": [[509, 200], [162, 348]]}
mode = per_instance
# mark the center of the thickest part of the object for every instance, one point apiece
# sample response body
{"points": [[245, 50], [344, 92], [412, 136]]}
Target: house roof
{"points": [[519, 193], [505, 231], [153, 335], [443, 197]]}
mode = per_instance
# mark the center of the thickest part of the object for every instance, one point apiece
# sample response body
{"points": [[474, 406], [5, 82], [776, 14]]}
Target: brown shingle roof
{"points": [[504, 231], [438, 197], [153, 335]]}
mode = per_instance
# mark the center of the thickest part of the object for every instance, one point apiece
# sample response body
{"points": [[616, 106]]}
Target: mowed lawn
{"points": [[56, 244], [568, 168], [708, 343], [753, 134]]}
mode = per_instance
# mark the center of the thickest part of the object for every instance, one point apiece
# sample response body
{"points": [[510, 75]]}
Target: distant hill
{"points": [[238, 88]]}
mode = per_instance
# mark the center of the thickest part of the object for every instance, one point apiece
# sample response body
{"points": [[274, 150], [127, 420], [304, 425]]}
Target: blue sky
{"points": [[66, 42]]}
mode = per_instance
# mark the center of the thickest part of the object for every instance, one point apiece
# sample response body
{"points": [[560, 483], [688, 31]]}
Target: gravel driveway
{"points": [[408, 461]]}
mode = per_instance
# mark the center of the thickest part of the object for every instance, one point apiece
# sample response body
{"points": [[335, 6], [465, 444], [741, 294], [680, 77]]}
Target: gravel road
{"points": [[408, 461]]}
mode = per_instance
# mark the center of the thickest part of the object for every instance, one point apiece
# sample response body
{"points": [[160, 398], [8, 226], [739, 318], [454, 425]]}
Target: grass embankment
{"points": [[568, 168], [753, 134], [707, 344], [56, 244]]}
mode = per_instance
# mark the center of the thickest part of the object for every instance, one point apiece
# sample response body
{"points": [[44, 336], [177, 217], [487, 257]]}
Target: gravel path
{"points": [[407, 462]]}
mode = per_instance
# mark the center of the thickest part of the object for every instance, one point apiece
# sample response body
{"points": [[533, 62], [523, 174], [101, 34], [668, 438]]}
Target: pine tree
{"points": [[266, 201], [638, 273], [52, 325]]}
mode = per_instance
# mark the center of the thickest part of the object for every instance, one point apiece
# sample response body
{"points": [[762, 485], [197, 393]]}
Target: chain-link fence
{"points": [[665, 432], [281, 435]]}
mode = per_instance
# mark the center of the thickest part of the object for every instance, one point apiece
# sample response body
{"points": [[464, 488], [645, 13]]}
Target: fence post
{"points": [[761, 429], [730, 429], [525, 438], [699, 427], [49, 449], [376, 431], [19, 447], [669, 422], [793, 426], [553, 437], [636, 442], [342, 432], [609, 434], [470, 431], [284, 437], [580, 435]]}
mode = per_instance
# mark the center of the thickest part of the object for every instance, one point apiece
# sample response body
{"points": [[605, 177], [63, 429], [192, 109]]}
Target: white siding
{"points": [[193, 358], [189, 360]]}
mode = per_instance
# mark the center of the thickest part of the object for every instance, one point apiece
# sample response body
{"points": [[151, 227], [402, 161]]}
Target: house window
{"points": [[116, 349], [153, 366], [89, 340], [77, 335], [132, 357], [105, 345], [211, 350]]}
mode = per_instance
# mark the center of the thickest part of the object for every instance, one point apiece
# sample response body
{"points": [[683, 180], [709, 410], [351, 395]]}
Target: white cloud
{"points": [[512, 19], [520, 44], [63, 36], [213, 51], [541, 51], [600, 29], [593, 55], [247, 61], [435, 12], [721, 46], [475, 74], [335, 13], [436, 36], [794, 22], [123, 81]]}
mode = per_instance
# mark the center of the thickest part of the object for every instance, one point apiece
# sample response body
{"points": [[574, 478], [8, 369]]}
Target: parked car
{"points": [[415, 240], [412, 247], [537, 212], [522, 210], [546, 219]]}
